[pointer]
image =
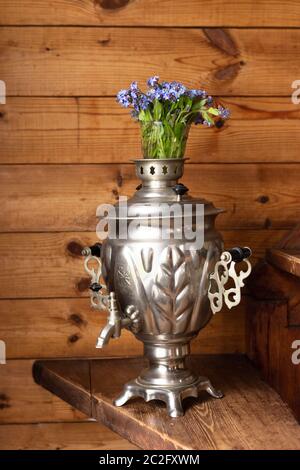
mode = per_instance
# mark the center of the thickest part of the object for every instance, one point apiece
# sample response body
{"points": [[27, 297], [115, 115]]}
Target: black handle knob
{"points": [[239, 253], [180, 189], [96, 249], [95, 287]]}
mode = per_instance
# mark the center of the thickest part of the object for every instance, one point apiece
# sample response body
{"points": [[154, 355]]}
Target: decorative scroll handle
{"points": [[102, 299], [99, 300], [224, 271]]}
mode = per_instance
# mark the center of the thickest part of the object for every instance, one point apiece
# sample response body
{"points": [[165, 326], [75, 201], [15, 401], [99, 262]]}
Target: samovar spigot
{"points": [[114, 324]]}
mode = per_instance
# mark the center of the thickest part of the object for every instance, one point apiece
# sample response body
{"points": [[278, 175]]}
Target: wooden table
{"points": [[250, 416]]}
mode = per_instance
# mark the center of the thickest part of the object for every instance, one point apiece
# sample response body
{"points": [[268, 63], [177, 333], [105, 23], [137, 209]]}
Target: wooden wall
{"points": [[65, 147]]}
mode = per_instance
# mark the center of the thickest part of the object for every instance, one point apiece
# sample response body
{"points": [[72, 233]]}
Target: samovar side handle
{"points": [[102, 299], [225, 271]]}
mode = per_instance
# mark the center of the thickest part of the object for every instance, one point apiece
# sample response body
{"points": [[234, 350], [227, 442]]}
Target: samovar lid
{"points": [[160, 192], [139, 208]]}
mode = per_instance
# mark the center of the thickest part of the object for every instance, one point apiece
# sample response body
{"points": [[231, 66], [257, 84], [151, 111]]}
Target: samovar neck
{"points": [[159, 173]]}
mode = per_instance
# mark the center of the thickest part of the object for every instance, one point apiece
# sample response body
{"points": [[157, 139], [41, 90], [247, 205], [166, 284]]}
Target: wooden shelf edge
{"points": [[251, 416], [286, 260]]}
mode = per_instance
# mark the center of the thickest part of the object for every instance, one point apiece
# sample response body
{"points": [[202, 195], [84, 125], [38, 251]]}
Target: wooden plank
{"points": [[43, 265], [50, 265], [238, 421], [224, 414], [85, 130], [23, 401], [58, 61], [151, 12], [274, 319], [267, 282], [61, 436], [288, 260], [290, 241], [44, 328], [40, 130], [270, 340], [65, 198], [72, 385], [286, 253]]}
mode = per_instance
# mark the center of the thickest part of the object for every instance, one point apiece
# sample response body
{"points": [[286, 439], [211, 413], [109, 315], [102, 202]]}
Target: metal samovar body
{"points": [[158, 289]]}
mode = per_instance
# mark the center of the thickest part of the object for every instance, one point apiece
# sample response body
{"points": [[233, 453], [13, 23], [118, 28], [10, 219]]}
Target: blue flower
{"points": [[196, 93], [177, 89], [143, 102], [168, 93], [154, 94], [165, 91], [134, 92], [224, 113], [134, 96], [153, 81], [134, 86], [124, 98]]}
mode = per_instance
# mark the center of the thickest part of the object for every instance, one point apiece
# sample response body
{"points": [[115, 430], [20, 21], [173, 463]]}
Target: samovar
{"points": [[159, 285]]}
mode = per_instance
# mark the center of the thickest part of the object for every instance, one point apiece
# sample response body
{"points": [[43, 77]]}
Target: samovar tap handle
{"points": [[115, 322], [224, 271]]}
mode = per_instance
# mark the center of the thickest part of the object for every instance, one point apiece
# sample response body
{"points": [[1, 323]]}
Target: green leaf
{"points": [[142, 116], [198, 105], [207, 117], [157, 110], [213, 111]]}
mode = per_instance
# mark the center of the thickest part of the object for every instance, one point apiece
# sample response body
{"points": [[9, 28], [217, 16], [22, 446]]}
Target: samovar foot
{"points": [[171, 396], [124, 397], [212, 391]]}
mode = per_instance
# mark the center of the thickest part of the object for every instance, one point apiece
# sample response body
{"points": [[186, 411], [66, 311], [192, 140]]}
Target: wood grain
{"points": [[286, 254], [273, 322], [72, 387], [94, 130], [23, 401], [44, 328], [250, 416], [270, 340], [40, 130], [43, 265], [61, 436], [151, 12], [273, 318], [61, 117], [268, 282], [85, 61], [288, 260], [49, 265], [65, 197]]}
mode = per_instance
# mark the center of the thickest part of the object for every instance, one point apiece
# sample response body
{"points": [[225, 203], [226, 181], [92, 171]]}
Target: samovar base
{"points": [[171, 396], [167, 378]]}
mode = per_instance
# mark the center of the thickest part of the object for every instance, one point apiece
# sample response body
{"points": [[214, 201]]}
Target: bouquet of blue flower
{"points": [[166, 111]]}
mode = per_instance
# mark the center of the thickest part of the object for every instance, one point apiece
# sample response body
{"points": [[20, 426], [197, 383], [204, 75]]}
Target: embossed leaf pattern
{"points": [[172, 294]]}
